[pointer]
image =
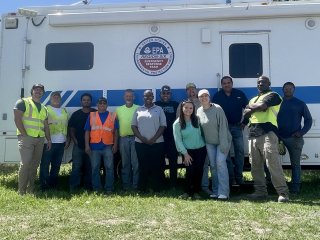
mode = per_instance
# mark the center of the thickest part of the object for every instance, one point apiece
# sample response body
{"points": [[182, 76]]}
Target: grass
{"points": [[127, 215]]}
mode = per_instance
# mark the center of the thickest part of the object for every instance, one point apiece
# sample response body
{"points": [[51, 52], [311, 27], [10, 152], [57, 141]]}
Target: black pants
{"points": [[151, 162], [172, 155], [195, 170]]}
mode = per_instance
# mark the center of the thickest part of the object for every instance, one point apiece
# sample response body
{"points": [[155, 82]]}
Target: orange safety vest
{"points": [[102, 132]]}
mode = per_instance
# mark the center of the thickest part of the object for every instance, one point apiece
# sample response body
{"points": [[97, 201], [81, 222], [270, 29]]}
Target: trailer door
{"points": [[245, 56]]}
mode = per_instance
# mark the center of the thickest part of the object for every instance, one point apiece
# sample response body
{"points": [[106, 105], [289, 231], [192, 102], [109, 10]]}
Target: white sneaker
{"points": [[283, 199], [223, 197]]}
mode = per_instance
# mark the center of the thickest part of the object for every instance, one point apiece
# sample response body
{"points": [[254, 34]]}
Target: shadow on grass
{"points": [[310, 192]]}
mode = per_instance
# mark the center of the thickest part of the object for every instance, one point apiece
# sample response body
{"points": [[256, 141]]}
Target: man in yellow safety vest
{"points": [[31, 119], [51, 160], [262, 112]]}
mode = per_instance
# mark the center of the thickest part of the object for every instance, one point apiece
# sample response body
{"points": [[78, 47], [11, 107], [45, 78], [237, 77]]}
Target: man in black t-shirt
{"points": [[81, 166], [170, 109]]}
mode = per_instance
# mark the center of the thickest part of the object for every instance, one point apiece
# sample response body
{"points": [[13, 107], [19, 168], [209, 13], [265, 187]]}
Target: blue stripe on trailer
{"points": [[76, 101], [45, 95], [65, 96], [115, 97], [309, 94]]}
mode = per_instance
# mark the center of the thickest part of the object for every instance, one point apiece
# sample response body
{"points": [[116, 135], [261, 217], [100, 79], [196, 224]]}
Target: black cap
{"points": [[165, 88], [38, 86], [102, 99]]}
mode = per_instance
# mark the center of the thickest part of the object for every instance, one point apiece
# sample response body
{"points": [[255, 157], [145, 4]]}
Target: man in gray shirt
{"points": [[148, 124]]}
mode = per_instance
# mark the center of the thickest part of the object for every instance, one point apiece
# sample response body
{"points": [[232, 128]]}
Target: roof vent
{"points": [[311, 23], [154, 29]]}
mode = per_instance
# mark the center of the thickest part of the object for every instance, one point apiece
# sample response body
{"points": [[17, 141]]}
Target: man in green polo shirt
{"points": [[130, 166]]}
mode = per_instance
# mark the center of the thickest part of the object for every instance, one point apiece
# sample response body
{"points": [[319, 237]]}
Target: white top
{"points": [[57, 138]]}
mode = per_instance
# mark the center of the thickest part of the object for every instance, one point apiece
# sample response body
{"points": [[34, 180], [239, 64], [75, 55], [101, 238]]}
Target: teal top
{"points": [[188, 138]]}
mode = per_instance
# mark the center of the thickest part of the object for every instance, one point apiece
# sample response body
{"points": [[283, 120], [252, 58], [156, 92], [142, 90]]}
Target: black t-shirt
{"points": [[232, 105], [78, 121], [259, 129], [170, 109]]}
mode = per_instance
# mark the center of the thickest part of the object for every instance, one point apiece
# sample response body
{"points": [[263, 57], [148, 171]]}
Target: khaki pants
{"points": [[264, 149], [31, 152]]}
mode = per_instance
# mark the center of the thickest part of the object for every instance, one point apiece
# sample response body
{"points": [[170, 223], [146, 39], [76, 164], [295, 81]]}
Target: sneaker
{"points": [[222, 197], [196, 196], [234, 183], [283, 198], [213, 196], [257, 196], [207, 191], [184, 196], [294, 192], [240, 181], [108, 193]]}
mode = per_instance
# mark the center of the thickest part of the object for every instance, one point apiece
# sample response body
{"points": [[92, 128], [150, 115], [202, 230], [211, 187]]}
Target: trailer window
{"points": [[69, 56], [245, 60]]}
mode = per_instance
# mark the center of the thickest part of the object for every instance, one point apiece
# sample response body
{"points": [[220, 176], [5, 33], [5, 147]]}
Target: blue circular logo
{"points": [[153, 56]]}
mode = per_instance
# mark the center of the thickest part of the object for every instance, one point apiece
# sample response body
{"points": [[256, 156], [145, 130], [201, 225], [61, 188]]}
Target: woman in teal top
{"points": [[190, 143]]}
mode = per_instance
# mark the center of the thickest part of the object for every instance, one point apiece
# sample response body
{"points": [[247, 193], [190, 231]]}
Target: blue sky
{"points": [[12, 5]]}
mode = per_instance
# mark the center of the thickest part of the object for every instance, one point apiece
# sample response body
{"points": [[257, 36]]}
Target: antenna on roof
{"points": [[84, 2]]}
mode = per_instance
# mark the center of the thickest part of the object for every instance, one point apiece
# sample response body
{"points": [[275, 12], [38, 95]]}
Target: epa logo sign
{"points": [[153, 56]]}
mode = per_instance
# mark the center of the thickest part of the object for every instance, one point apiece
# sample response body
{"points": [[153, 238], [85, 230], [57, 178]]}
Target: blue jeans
{"points": [[130, 164], [218, 166], [52, 157], [205, 176], [81, 167], [235, 166], [294, 146], [107, 156]]}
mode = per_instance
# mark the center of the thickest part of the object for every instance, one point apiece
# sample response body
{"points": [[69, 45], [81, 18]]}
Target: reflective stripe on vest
{"points": [[57, 123], [269, 115], [32, 119], [102, 132]]}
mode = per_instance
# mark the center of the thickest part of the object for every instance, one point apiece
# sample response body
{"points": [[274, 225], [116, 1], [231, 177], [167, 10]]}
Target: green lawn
{"points": [[59, 215]]}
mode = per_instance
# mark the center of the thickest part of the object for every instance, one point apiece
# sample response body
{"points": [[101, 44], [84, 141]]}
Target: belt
{"points": [[234, 124]]}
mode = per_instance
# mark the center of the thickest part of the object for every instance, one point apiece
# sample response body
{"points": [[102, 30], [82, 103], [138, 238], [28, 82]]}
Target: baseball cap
{"points": [[54, 93], [165, 88], [203, 91], [190, 85], [38, 86], [102, 99]]}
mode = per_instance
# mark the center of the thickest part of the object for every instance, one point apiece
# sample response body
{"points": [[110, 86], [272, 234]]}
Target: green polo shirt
{"points": [[124, 115]]}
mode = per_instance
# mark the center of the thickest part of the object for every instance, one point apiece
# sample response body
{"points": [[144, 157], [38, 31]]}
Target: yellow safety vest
{"points": [[269, 115], [32, 119], [57, 124]]}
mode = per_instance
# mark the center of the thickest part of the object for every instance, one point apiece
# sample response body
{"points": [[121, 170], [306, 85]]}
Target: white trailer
{"points": [[104, 49]]}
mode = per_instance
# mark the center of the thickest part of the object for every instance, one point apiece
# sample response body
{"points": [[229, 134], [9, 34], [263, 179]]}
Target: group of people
{"points": [[201, 129]]}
